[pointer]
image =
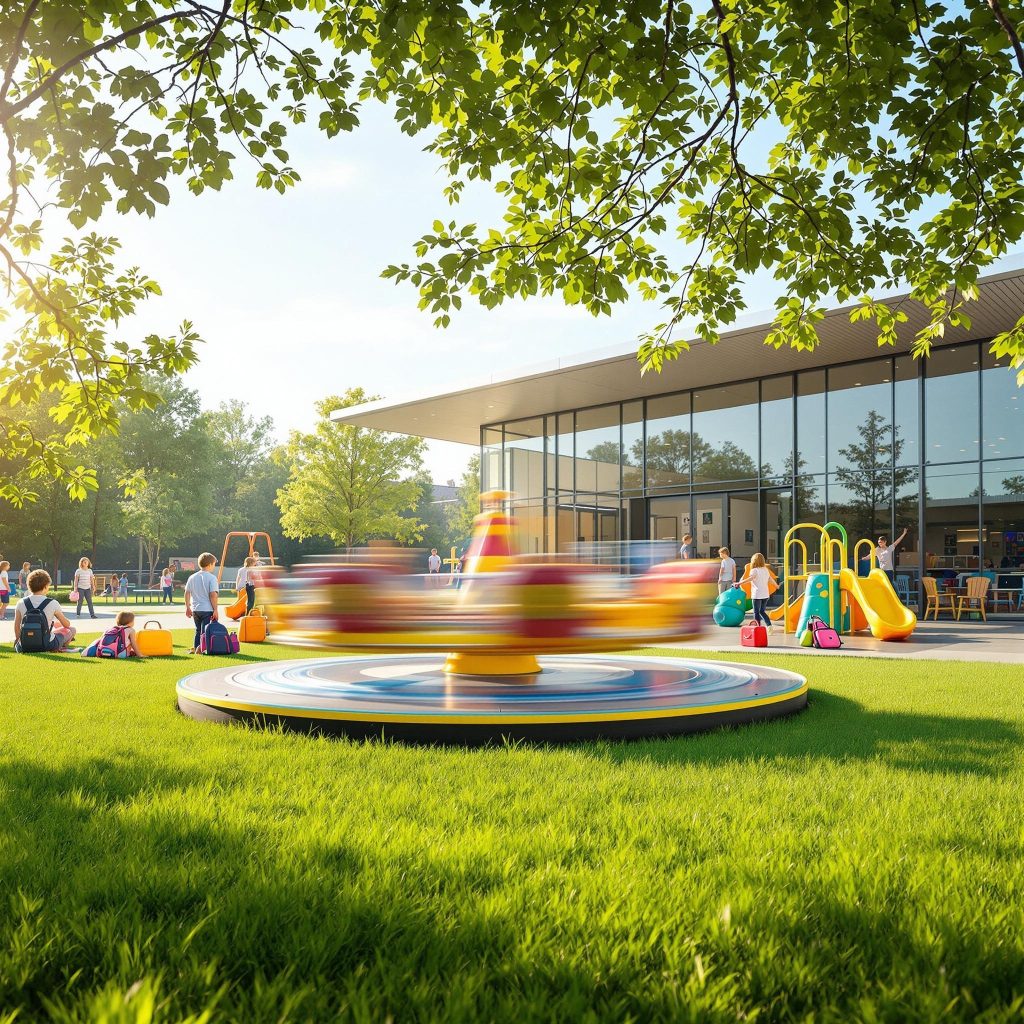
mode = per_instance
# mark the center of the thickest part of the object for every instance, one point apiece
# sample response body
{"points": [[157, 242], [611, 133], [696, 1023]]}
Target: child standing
{"points": [[760, 580], [726, 571], [201, 596], [83, 584], [5, 589], [26, 568], [167, 584], [246, 579]]}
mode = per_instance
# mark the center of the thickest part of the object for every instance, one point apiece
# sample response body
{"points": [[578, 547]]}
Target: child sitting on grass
{"points": [[60, 631], [120, 638]]}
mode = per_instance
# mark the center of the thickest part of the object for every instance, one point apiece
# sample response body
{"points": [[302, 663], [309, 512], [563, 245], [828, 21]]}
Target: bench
{"points": [[145, 596]]}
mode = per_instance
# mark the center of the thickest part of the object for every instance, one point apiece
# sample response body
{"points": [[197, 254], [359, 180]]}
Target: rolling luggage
{"points": [[752, 635], [154, 643]]}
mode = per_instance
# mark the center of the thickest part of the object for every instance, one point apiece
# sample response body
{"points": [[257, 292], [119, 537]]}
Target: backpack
{"points": [[823, 636], [35, 634], [217, 640], [113, 644]]}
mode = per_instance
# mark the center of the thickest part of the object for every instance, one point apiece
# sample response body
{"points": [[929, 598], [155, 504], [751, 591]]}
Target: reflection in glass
{"points": [[632, 447], [907, 403], [862, 502], [860, 415], [725, 426], [810, 422], [810, 499], [524, 457], [1002, 403], [597, 449], [490, 459], [529, 519], [951, 404], [951, 534], [564, 437], [1003, 533], [777, 427], [668, 441]]}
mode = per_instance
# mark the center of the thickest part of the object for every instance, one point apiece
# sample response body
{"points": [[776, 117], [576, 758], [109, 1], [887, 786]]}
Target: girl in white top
{"points": [[726, 571], [760, 588], [167, 584], [83, 584], [246, 580]]}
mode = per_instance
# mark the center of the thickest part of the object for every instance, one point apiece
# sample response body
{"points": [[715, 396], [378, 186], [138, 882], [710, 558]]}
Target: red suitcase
{"points": [[753, 636]]}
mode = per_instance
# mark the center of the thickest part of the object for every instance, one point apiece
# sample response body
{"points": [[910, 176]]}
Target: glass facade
{"points": [[933, 447]]}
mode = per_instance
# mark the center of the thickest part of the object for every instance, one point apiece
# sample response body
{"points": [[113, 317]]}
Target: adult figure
{"points": [[83, 584], [688, 549], [726, 571], [885, 553]]}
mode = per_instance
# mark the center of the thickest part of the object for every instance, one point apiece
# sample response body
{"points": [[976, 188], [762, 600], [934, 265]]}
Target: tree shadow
{"points": [[837, 728]]}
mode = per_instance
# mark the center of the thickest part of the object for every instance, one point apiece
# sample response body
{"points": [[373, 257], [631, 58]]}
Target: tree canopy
{"points": [[349, 483], [646, 146]]}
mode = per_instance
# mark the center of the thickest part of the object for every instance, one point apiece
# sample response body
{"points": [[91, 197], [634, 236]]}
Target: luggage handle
{"points": [[152, 622]]}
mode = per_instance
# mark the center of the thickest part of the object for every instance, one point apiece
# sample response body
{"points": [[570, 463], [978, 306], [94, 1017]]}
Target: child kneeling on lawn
{"points": [[58, 631], [120, 641]]}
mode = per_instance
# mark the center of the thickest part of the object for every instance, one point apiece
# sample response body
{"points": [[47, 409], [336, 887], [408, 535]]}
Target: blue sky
{"points": [[287, 291]]}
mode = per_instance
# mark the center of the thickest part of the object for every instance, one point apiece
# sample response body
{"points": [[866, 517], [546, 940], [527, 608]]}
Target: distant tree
{"points": [[162, 511], [349, 483], [866, 472], [462, 513]]}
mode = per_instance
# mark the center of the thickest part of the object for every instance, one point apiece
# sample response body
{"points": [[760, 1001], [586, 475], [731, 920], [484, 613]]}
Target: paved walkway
{"points": [[1000, 640], [169, 616]]}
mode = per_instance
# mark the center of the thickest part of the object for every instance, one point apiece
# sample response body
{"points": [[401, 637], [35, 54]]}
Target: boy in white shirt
{"points": [[726, 571], [61, 630]]}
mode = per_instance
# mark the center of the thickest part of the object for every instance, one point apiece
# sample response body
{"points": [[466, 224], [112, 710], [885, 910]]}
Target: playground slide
{"points": [[887, 617], [792, 611]]}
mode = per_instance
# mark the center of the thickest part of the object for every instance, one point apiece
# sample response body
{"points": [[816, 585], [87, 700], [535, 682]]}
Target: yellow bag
{"points": [[252, 628], [154, 643], [237, 610]]}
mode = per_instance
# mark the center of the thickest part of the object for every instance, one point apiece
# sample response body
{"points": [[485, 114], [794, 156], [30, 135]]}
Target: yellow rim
{"points": [[597, 716]]}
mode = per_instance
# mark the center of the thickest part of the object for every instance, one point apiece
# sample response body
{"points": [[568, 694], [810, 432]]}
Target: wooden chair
{"points": [[977, 591], [935, 600]]}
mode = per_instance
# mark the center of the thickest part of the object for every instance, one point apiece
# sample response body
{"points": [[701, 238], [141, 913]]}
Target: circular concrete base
{"points": [[410, 698]]}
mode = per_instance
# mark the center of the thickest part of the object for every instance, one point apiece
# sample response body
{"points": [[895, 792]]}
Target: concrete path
{"points": [[169, 617], [999, 640]]}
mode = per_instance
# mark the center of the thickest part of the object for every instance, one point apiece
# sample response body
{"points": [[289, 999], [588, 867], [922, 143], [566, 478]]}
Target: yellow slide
{"points": [[887, 617], [792, 613]]}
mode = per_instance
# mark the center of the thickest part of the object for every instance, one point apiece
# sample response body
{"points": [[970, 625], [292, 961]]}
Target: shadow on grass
{"points": [[115, 871], [838, 728]]}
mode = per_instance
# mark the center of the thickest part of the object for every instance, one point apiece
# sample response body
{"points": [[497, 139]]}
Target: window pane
{"points": [[564, 447], [632, 447], [810, 422], [1003, 536], [524, 456], [725, 434], [951, 404], [810, 499], [951, 533], [860, 419], [490, 459], [1002, 402], [597, 449], [908, 404], [777, 427], [668, 442], [529, 524], [862, 502]]}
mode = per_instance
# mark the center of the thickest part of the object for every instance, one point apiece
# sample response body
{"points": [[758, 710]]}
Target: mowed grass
{"points": [[861, 861]]}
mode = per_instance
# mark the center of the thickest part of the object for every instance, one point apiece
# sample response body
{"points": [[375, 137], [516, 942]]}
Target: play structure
{"points": [[508, 654], [237, 609], [844, 600]]}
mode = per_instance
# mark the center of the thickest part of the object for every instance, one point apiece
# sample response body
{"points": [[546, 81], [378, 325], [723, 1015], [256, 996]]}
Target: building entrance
{"points": [[715, 519]]}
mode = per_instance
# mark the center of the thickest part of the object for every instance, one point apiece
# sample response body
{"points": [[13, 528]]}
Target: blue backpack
{"points": [[217, 640]]}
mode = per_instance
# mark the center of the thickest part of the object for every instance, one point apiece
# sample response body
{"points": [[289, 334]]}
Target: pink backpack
{"points": [[113, 643], [823, 636]]}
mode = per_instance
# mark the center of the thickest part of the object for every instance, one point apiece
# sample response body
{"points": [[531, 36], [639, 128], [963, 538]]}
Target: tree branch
{"points": [[1011, 32]]}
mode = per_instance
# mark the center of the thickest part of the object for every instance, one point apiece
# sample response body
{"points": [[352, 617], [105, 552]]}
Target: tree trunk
{"points": [[95, 526]]}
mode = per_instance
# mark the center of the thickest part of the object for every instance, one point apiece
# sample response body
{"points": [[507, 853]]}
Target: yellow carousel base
{"points": [[470, 663]]}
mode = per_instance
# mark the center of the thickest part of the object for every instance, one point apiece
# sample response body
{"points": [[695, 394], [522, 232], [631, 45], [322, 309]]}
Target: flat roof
{"points": [[613, 375]]}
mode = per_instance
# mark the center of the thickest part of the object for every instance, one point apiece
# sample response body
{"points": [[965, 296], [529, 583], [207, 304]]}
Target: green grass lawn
{"points": [[861, 861]]}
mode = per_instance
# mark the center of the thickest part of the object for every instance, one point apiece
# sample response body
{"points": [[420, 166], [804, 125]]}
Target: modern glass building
{"points": [[736, 443]]}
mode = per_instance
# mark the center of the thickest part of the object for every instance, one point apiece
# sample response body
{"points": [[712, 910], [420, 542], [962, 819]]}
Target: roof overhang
{"points": [[613, 375]]}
